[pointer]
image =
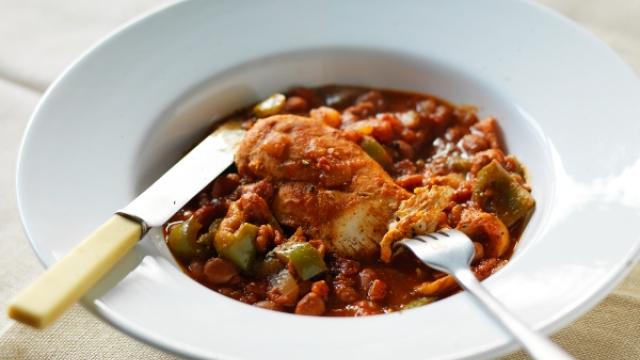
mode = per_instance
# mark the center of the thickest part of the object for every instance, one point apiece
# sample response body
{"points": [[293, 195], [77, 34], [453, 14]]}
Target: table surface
{"points": [[39, 39]]}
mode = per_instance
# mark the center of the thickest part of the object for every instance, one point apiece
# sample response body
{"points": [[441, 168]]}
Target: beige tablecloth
{"points": [[39, 38]]}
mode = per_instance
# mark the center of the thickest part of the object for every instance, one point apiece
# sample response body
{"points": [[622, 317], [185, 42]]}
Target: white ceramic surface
{"points": [[126, 110]]}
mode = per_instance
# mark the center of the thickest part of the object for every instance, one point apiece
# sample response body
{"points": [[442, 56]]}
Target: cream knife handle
{"points": [[71, 277]]}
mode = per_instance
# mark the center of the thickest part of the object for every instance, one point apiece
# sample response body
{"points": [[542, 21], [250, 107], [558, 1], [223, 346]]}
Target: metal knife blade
{"points": [[186, 178]]}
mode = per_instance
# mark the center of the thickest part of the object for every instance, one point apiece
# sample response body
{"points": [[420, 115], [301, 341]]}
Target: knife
{"points": [[70, 278]]}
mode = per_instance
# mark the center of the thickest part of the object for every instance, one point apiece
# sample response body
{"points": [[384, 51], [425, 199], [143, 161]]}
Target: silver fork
{"points": [[451, 252]]}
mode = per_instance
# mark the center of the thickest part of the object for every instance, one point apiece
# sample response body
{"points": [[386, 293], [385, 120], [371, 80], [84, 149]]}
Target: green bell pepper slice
{"points": [[183, 238], [270, 106], [498, 192], [376, 151], [305, 258]]}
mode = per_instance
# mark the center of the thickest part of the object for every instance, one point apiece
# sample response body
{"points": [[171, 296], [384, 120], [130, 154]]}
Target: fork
{"points": [[451, 252]]}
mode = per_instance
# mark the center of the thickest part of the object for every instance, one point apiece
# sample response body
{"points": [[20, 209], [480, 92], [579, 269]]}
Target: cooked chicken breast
{"points": [[325, 183]]}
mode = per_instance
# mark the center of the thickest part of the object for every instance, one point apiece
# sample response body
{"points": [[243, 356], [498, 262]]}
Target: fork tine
{"points": [[408, 243]]}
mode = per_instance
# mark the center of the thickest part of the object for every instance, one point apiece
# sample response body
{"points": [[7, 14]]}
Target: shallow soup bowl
{"points": [[132, 105]]}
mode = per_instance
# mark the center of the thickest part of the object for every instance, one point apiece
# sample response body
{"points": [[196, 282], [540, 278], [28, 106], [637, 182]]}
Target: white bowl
{"points": [[125, 111]]}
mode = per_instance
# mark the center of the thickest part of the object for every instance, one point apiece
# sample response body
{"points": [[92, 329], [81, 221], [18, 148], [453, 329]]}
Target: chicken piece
{"points": [[483, 225], [353, 222], [251, 208], [417, 215], [326, 184]]}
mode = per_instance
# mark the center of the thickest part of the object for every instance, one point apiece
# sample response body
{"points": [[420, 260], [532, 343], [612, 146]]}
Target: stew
{"points": [[327, 179]]}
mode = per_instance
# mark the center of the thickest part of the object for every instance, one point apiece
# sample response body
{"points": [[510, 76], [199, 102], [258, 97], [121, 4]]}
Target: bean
{"points": [[196, 268], [441, 115], [366, 275], [367, 308], [225, 185], [404, 149], [374, 97], [347, 267], [310, 304], [345, 293], [296, 104], [219, 271], [268, 304], [485, 268], [378, 290], [410, 182], [321, 288], [327, 115], [473, 143]]}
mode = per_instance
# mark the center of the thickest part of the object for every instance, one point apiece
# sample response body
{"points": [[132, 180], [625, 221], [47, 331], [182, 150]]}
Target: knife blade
{"points": [[187, 177], [71, 277]]}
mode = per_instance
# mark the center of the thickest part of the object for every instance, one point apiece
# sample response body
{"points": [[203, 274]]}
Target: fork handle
{"points": [[536, 345]]}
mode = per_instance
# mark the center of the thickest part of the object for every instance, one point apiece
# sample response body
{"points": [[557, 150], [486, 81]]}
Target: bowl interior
{"points": [[183, 122]]}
